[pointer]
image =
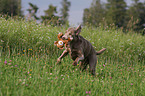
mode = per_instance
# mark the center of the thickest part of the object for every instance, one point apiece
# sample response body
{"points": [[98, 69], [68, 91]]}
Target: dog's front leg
{"points": [[65, 52], [78, 59]]}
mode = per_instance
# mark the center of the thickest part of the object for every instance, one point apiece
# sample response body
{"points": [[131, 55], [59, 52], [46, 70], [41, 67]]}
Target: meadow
{"points": [[28, 57]]}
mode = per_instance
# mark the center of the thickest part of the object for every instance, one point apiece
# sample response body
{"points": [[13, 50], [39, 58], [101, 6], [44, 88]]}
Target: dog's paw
{"points": [[74, 64]]}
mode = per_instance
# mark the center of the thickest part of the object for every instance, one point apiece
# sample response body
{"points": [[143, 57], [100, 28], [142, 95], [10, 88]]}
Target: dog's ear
{"points": [[78, 30]]}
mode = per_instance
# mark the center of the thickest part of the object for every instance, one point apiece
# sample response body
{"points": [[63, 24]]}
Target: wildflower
{"points": [[50, 73], [2, 41], [23, 83], [36, 59], [15, 65], [107, 92], [5, 62], [131, 83], [88, 92], [68, 76], [23, 50], [20, 80], [103, 65], [10, 60], [110, 77], [28, 72], [92, 80], [30, 69], [29, 49]]}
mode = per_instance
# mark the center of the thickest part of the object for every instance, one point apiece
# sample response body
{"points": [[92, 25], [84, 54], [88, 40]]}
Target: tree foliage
{"points": [[94, 14], [136, 16], [64, 11], [50, 16], [116, 12], [32, 11], [11, 7]]}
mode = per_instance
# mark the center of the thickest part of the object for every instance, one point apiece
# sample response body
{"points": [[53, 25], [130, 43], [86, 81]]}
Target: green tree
{"points": [[64, 11], [11, 7], [136, 13], [32, 11], [86, 16], [94, 15], [116, 12], [50, 17]]}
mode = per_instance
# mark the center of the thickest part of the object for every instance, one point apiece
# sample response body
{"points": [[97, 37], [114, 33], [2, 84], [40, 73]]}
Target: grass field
{"points": [[28, 57]]}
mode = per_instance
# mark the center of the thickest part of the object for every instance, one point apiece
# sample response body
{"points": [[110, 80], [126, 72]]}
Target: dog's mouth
{"points": [[67, 38]]}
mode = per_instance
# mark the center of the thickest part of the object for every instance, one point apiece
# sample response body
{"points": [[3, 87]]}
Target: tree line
{"points": [[113, 13], [116, 12], [13, 8]]}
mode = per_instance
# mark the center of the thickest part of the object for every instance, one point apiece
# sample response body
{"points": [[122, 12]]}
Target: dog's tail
{"points": [[101, 51]]}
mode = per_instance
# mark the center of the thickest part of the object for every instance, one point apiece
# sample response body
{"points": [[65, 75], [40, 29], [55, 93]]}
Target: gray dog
{"points": [[80, 50]]}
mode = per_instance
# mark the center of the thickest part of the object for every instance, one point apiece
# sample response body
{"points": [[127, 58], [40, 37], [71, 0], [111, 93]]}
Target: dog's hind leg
{"points": [[92, 63]]}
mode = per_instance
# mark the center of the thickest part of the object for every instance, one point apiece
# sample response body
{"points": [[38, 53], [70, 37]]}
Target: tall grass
{"points": [[28, 57]]}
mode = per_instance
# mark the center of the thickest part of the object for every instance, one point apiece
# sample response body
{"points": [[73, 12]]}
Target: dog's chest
{"points": [[74, 53]]}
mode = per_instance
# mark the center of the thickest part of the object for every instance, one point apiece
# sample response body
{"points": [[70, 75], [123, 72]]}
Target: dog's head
{"points": [[72, 33]]}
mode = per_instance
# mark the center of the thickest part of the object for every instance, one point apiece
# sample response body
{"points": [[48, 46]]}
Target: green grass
{"points": [[31, 56]]}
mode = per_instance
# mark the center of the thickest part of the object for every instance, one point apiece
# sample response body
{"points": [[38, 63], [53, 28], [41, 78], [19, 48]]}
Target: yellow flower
{"points": [[30, 74], [30, 69], [23, 50], [29, 49], [36, 59]]}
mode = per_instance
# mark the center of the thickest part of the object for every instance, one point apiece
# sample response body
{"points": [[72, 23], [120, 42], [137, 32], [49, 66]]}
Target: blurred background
{"points": [[125, 14]]}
